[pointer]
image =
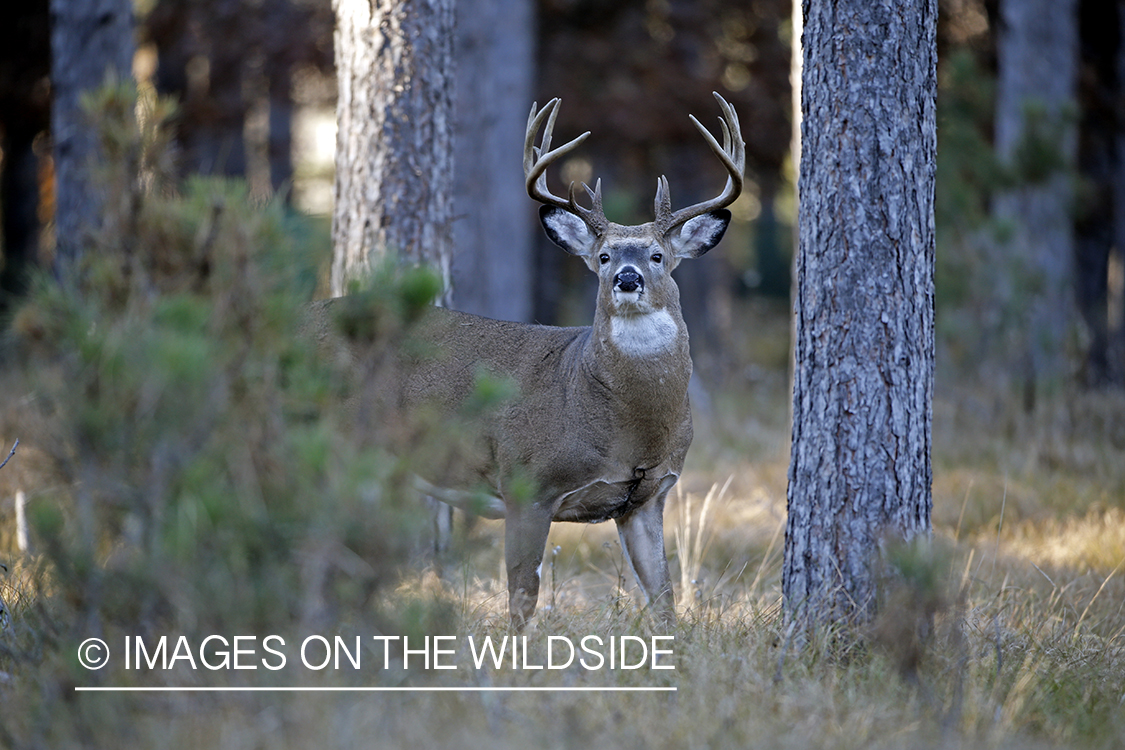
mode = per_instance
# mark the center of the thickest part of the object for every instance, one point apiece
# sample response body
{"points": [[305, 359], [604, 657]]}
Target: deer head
{"points": [[633, 263]]}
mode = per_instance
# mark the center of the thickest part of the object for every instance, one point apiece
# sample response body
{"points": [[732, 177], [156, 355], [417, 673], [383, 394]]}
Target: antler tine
{"points": [[534, 123], [733, 156], [536, 161], [593, 216], [663, 203]]}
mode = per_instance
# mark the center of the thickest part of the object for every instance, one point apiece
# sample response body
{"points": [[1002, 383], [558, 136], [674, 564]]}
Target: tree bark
{"points": [[860, 467], [394, 147], [493, 225], [1037, 54], [89, 39]]}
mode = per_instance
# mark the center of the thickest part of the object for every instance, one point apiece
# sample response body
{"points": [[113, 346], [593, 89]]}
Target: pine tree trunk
{"points": [[493, 231], [864, 333], [394, 148], [89, 38], [1037, 57]]}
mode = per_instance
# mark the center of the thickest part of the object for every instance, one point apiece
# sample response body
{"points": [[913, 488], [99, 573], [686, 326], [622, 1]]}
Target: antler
{"points": [[536, 161], [733, 156]]}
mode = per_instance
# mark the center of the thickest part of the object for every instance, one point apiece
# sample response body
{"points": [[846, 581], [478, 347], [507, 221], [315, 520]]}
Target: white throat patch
{"points": [[647, 333]]}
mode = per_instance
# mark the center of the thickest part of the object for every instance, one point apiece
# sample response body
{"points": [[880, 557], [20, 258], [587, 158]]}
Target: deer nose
{"points": [[628, 280]]}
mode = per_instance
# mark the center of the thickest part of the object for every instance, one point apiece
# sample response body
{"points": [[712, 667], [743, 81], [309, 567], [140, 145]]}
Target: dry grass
{"points": [[1020, 662]]}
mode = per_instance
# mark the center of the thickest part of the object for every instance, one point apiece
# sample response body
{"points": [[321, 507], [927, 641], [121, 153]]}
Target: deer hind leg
{"points": [[642, 539], [525, 539]]}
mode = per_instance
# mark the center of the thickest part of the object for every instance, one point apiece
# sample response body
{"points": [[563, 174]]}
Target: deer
{"points": [[600, 419]]}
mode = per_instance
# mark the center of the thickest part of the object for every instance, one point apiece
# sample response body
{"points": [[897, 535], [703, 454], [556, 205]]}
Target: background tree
{"points": [[1035, 136], [860, 466], [230, 64], [25, 114], [394, 148], [1100, 215], [89, 39], [493, 224], [1118, 339]]}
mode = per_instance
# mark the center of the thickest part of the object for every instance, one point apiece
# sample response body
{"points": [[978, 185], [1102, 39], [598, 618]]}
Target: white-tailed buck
{"points": [[599, 424]]}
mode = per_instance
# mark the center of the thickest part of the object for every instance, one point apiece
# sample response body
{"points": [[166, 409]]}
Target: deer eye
{"points": [[657, 257], [603, 258]]}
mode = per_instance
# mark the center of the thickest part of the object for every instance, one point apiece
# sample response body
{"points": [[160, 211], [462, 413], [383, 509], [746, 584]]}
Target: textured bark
{"points": [[493, 229], [394, 147], [1037, 54], [864, 339], [89, 38]]}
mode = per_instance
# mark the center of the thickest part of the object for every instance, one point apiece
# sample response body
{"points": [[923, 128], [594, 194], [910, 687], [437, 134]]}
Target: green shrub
{"points": [[207, 478]]}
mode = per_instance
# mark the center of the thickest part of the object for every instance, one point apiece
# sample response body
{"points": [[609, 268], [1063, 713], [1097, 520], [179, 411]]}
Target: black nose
{"points": [[628, 280]]}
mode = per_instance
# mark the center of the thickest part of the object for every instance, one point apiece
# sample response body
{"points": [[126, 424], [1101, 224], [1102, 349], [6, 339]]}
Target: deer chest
{"points": [[604, 500]]}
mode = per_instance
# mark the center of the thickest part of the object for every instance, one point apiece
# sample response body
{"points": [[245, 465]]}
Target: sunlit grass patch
{"points": [[1094, 541]]}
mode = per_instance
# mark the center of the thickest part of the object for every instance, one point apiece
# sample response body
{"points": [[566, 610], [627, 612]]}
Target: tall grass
{"points": [[1014, 660]]}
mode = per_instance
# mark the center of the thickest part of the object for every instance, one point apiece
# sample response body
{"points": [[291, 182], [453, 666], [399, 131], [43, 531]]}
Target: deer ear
{"points": [[567, 230], [700, 234]]}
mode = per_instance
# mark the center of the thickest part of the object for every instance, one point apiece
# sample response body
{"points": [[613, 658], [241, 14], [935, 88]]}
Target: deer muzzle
{"points": [[628, 280]]}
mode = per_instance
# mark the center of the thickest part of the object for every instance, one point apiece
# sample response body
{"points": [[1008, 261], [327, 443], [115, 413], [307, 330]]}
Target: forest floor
{"points": [[1024, 579]]}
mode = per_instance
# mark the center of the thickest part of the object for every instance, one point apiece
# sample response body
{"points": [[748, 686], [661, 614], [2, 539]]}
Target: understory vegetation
{"points": [[190, 471]]}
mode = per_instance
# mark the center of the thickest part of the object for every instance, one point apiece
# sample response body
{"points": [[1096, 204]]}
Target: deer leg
{"points": [[525, 539], [642, 538]]}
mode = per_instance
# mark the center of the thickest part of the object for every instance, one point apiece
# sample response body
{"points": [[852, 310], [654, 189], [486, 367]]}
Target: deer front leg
{"points": [[525, 539], [642, 539]]}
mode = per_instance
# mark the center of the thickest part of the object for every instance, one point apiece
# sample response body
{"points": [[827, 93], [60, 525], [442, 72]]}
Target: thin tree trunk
{"points": [[25, 112], [394, 147], [860, 464], [89, 38], [493, 228], [1098, 157], [1117, 342], [280, 148], [1037, 54], [215, 107], [19, 194]]}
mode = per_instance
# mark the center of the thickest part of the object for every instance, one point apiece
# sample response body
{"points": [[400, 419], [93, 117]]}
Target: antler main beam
{"points": [[733, 156], [536, 160]]}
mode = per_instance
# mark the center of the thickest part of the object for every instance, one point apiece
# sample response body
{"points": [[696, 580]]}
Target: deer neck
{"points": [[642, 358], [639, 368]]}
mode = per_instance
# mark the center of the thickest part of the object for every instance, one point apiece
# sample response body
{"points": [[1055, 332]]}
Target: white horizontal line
{"points": [[470, 689]]}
